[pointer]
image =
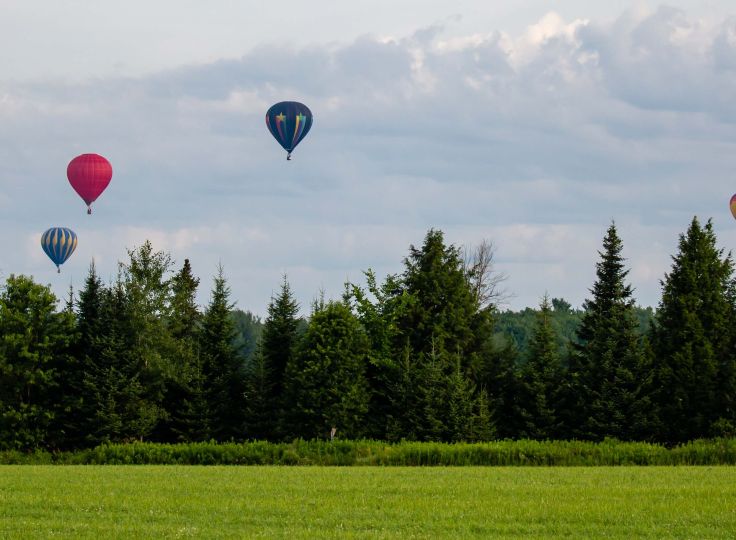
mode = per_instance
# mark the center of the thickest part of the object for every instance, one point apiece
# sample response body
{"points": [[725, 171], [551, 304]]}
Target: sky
{"points": [[530, 124]]}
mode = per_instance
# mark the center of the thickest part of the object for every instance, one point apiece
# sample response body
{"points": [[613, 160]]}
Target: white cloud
{"points": [[535, 140]]}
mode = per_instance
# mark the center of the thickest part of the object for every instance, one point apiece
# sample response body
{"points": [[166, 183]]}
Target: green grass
{"points": [[366, 502]]}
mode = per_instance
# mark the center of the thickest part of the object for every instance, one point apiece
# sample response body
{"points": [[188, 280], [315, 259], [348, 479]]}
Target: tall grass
{"points": [[366, 452]]}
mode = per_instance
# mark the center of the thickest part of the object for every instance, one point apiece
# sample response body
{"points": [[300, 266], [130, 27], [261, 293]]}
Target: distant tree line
{"points": [[424, 355]]}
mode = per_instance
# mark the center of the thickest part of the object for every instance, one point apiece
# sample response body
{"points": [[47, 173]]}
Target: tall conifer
{"points": [[693, 340], [185, 400], [325, 384], [541, 377], [222, 366], [266, 369], [607, 369]]}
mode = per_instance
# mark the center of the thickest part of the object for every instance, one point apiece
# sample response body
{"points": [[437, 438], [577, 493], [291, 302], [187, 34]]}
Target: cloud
{"points": [[536, 141]]}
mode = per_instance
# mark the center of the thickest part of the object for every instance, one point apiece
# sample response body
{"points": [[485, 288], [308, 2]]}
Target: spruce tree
{"points": [[89, 325], [404, 411], [266, 370], [325, 382], [262, 415], [116, 406], [222, 366], [439, 316], [184, 400], [420, 325], [693, 340], [464, 422], [541, 376], [607, 395]]}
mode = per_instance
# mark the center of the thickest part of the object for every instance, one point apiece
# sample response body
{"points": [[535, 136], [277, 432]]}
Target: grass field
{"points": [[366, 502]]}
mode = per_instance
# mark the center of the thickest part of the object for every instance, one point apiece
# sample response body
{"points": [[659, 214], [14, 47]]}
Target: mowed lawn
{"points": [[366, 502]]}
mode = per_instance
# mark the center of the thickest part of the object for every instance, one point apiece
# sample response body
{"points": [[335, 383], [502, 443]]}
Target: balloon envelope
{"points": [[289, 122], [59, 243], [89, 175], [733, 206]]}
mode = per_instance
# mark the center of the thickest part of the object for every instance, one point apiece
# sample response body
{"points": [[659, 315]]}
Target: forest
{"points": [[423, 355]]}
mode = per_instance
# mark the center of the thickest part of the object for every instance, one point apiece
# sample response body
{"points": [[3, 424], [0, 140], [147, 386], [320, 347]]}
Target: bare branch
{"points": [[485, 281]]}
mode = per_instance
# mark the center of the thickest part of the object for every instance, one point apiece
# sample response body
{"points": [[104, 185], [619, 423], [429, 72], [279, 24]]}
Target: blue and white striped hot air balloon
{"points": [[59, 243]]}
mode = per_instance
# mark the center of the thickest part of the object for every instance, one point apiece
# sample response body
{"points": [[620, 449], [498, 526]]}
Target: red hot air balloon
{"points": [[89, 175]]}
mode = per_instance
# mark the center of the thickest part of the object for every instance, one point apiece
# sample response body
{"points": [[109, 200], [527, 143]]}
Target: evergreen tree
{"points": [[541, 376], [404, 411], [116, 406], [439, 316], [35, 344], [222, 366], [185, 401], [607, 372], [265, 374], [693, 340], [498, 377], [420, 325], [482, 423], [464, 421], [325, 380], [263, 417], [184, 314], [432, 384], [74, 420]]}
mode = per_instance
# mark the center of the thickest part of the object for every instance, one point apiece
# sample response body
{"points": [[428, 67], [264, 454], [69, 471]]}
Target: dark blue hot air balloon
{"points": [[59, 243], [289, 122]]}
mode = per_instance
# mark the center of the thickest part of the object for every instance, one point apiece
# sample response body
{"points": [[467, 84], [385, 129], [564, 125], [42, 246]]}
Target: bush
{"points": [[721, 451]]}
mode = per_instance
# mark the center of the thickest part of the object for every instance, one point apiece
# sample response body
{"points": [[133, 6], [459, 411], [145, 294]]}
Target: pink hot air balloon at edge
{"points": [[89, 175], [733, 206]]}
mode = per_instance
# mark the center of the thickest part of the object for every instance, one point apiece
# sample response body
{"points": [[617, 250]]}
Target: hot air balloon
{"points": [[59, 243], [289, 122], [733, 206], [89, 175]]}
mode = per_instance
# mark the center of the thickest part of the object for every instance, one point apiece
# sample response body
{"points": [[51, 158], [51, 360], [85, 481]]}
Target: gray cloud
{"points": [[536, 141]]}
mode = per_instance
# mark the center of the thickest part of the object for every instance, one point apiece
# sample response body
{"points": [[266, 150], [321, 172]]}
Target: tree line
{"points": [[423, 355]]}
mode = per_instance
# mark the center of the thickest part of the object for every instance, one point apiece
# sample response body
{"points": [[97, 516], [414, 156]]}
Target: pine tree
{"points": [[116, 405], [266, 371], [420, 325], [462, 421], [74, 421], [609, 397], [262, 415], [325, 381], [498, 377], [433, 382], [405, 412], [693, 340], [222, 366], [541, 376], [439, 316], [185, 401], [481, 422]]}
